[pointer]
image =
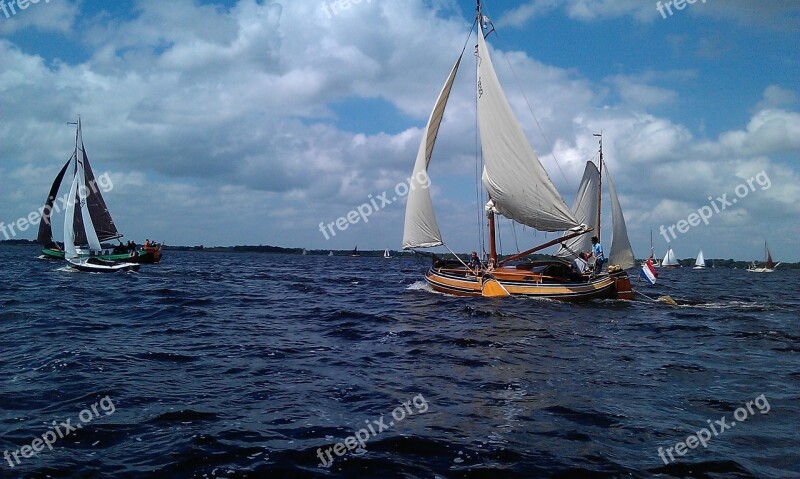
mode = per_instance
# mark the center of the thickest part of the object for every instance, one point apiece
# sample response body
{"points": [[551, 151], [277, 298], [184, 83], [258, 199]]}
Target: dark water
{"points": [[239, 365]]}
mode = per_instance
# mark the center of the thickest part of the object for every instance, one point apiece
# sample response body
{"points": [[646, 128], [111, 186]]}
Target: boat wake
{"points": [[420, 286]]}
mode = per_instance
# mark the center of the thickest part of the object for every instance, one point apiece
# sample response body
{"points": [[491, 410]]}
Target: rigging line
{"points": [[514, 230], [457, 257], [538, 125]]}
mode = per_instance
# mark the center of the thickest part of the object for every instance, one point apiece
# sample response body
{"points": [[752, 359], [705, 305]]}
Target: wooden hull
{"points": [[540, 282]]}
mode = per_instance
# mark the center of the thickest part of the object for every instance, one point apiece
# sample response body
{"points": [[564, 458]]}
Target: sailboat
{"points": [[670, 261], [355, 252], [78, 222], [700, 263], [96, 224], [768, 267], [330, 253], [518, 188], [655, 262], [386, 254]]}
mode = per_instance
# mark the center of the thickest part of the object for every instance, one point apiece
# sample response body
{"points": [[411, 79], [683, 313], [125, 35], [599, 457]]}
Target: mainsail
{"points": [[621, 252], [421, 229], [516, 181]]}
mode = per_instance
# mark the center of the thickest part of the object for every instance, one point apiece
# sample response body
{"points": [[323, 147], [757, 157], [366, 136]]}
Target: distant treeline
{"points": [[689, 262]]}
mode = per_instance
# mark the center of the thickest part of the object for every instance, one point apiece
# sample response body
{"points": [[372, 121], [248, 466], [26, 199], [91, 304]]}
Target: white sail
{"points": [[585, 210], [515, 179], [69, 234], [701, 261], [421, 229], [669, 259], [621, 252]]}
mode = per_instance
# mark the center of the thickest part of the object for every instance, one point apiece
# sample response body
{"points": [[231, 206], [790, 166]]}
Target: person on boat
{"points": [[146, 243], [580, 266], [474, 261], [597, 252]]}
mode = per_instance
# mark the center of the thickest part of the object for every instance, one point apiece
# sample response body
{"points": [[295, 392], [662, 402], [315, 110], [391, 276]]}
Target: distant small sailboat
{"points": [[655, 262], [355, 252], [769, 266], [700, 263], [305, 251], [670, 261], [386, 254], [330, 253]]}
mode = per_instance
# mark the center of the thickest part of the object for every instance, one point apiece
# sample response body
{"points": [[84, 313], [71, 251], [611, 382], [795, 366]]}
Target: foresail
{"points": [[515, 179], [585, 210], [421, 229], [621, 252], [45, 234]]}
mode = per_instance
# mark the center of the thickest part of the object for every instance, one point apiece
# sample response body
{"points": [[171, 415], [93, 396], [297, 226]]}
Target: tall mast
{"points": [[490, 212], [600, 183]]}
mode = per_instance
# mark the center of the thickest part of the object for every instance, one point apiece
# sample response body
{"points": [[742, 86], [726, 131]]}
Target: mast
{"points": [[600, 183], [492, 240], [490, 211]]}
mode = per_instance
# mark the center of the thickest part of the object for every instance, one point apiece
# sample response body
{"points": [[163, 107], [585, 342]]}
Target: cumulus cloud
{"points": [[229, 121]]}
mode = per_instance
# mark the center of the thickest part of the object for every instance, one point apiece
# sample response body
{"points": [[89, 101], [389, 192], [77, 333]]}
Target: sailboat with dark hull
{"points": [[519, 188], [90, 220]]}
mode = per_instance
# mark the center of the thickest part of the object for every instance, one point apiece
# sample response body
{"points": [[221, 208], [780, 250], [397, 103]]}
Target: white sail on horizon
{"points": [[669, 259], [700, 261]]}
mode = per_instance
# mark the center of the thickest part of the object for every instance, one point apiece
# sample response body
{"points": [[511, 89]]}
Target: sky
{"points": [[256, 122]]}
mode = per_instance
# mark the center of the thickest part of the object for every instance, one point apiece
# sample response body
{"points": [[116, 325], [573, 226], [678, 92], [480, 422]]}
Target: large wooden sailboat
{"points": [[97, 220], [518, 188], [769, 265]]}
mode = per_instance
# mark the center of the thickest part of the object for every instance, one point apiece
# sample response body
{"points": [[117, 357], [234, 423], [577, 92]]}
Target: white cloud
{"points": [[225, 122]]}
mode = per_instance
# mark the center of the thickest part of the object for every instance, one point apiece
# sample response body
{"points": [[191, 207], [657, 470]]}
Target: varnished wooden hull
{"points": [[511, 281]]}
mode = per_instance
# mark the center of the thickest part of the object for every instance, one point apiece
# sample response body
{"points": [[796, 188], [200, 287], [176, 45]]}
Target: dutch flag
{"points": [[649, 272]]}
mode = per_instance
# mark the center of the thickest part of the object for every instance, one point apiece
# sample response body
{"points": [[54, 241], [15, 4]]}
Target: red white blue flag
{"points": [[649, 272]]}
